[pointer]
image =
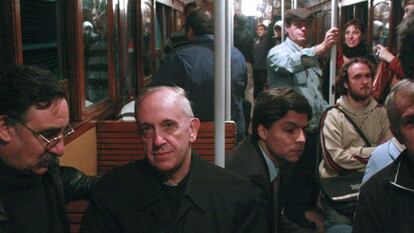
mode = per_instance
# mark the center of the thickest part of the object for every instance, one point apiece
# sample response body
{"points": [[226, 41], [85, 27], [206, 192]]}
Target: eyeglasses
{"points": [[52, 140]]}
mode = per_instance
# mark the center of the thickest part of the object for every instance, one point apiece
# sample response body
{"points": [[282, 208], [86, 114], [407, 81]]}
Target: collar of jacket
{"points": [[403, 175], [199, 184]]}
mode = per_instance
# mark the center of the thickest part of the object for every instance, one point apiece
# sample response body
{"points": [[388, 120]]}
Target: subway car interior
{"points": [[105, 52]]}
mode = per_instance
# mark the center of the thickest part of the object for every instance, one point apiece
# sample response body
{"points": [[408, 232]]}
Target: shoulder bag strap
{"points": [[356, 127]]}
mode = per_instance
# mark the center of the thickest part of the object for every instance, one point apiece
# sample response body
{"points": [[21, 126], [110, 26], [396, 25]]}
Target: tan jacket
{"points": [[342, 148]]}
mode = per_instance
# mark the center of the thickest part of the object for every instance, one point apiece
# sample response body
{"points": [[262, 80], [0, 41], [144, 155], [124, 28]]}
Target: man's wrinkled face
{"points": [[286, 138], [298, 31], [167, 132], [26, 151]]}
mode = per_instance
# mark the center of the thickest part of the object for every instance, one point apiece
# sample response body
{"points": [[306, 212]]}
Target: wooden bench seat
{"points": [[118, 143]]}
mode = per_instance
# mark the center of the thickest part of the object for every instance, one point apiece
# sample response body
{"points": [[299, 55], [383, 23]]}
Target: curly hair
{"points": [[343, 76]]}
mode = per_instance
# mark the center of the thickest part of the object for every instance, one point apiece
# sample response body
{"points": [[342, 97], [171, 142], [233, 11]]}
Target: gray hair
{"points": [[184, 102], [404, 87]]}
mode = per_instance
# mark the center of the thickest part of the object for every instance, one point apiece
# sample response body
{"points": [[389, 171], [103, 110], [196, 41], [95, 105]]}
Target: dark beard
{"points": [[357, 97]]}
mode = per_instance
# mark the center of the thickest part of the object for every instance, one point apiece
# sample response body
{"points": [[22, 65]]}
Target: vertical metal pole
{"points": [[219, 72], [282, 11], [228, 44], [332, 63]]}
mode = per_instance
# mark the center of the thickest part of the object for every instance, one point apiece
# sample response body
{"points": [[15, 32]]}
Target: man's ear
{"points": [[346, 85], [5, 134], [194, 126], [261, 131]]}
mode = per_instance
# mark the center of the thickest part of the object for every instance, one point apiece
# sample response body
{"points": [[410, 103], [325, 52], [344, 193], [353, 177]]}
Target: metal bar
{"points": [[282, 11], [219, 73], [332, 63]]}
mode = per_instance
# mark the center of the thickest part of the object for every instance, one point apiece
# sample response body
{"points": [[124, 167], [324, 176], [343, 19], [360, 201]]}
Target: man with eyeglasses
{"points": [[386, 200], [34, 119], [172, 189], [295, 65]]}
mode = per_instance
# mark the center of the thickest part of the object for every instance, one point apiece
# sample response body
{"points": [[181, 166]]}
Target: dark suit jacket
{"points": [[131, 199], [247, 159]]}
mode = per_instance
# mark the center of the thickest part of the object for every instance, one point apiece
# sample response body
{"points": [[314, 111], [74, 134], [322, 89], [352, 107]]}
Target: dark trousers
{"points": [[259, 80], [303, 189]]}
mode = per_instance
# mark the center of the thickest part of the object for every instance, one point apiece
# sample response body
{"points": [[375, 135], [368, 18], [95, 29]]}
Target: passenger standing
{"points": [[34, 120], [349, 134], [292, 64], [173, 189], [385, 55], [277, 32], [243, 41], [260, 50], [191, 66], [178, 38], [354, 45], [405, 42], [393, 68], [386, 201], [280, 118]]}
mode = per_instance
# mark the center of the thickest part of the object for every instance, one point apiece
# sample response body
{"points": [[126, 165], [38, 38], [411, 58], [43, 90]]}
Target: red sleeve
{"points": [[395, 66]]}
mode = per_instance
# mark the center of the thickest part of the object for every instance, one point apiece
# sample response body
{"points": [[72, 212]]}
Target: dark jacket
{"points": [[70, 184], [386, 201], [130, 199], [247, 159], [191, 66]]}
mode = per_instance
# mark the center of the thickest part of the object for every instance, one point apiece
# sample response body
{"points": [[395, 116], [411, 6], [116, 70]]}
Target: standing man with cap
{"points": [[293, 64]]}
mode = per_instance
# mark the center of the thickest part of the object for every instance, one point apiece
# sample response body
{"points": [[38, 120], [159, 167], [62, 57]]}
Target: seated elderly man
{"points": [[387, 199], [172, 189]]}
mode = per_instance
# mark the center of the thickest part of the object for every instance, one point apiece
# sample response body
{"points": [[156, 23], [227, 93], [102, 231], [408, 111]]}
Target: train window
{"points": [[131, 82], [40, 34], [380, 27], [147, 34], [95, 37]]}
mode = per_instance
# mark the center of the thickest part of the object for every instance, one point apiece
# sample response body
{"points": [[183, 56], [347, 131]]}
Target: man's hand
{"points": [[331, 38], [383, 53]]}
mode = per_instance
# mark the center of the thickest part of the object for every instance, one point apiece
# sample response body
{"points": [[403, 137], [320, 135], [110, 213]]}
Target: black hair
{"points": [[273, 104], [23, 86], [201, 21]]}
